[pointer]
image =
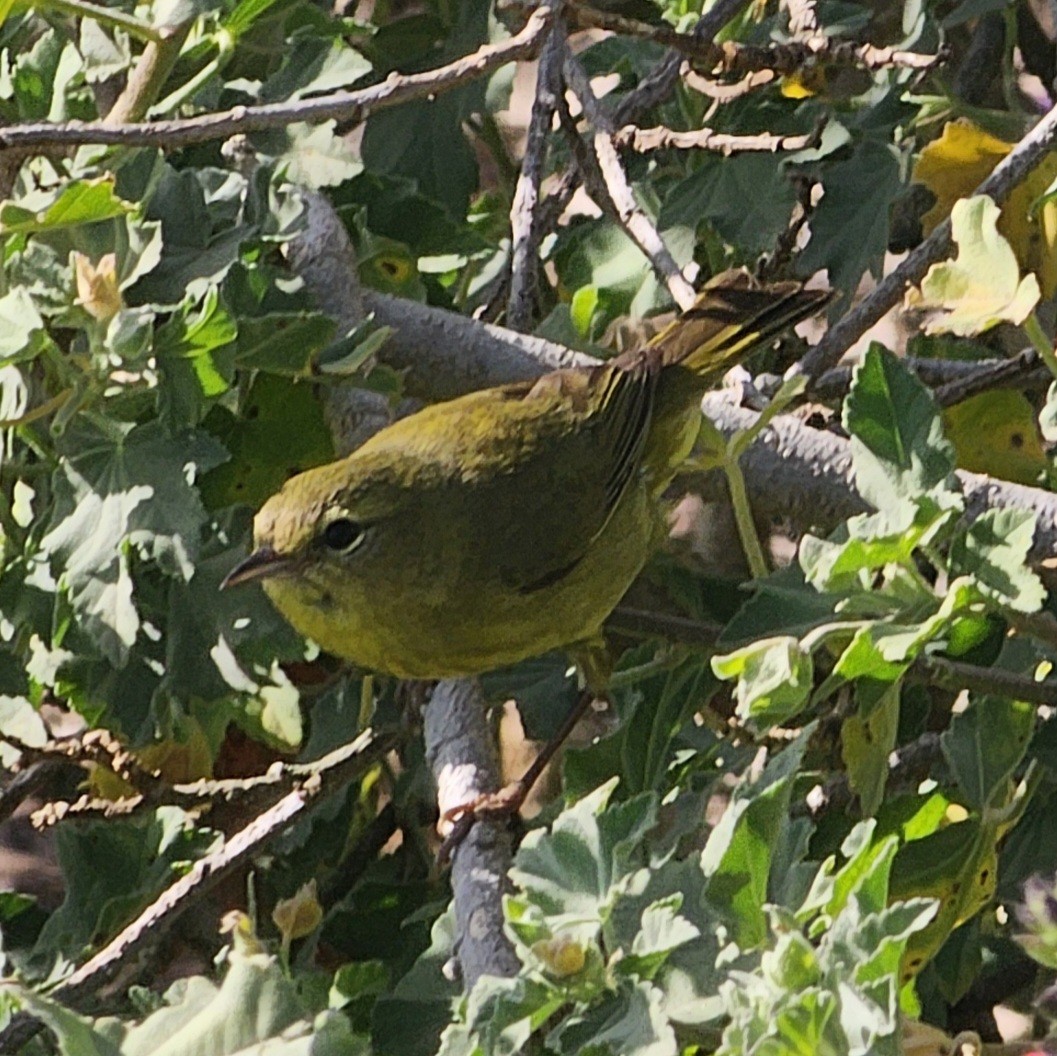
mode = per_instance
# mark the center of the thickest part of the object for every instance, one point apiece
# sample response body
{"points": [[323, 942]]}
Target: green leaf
{"points": [[582, 309], [354, 352], [982, 287], [898, 448], [869, 543], [100, 899], [118, 494], [76, 1034], [203, 227], [597, 253], [866, 743], [22, 333], [19, 719], [254, 1004], [775, 678], [313, 65], [630, 1022], [70, 205], [312, 156], [280, 432], [663, 930], [544, 687], [993, 551], [737, 859], [425, 141], [577, 870], [849, 228], [410, 1020], [984, 745], [196, 357], [782, 604], [283, 342], [1048, 414], [957, 866], [748, 199]]}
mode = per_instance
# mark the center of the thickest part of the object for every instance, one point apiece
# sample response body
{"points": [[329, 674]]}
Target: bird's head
{"points": [[320, 522]]}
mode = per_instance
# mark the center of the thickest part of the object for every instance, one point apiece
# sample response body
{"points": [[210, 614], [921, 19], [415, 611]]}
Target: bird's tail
{"points": [[733, 315]]}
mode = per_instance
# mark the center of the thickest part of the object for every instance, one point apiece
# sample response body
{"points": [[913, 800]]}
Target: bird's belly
{"points": [[472, 630]]}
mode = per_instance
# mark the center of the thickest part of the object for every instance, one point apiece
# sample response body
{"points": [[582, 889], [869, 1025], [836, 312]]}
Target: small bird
{"points": [[510, 521]]}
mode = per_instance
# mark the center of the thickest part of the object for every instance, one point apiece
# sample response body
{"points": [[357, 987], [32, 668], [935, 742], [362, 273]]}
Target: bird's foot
{"points": [[492, 806]]}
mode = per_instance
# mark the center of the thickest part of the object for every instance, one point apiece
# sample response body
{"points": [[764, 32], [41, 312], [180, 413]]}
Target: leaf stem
{"points": [[1040, 342], [739, 496], [665, 659], [750, 538]]}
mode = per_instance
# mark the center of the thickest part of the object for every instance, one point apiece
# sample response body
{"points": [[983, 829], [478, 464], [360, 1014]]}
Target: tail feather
{"points": [[732, 317]]}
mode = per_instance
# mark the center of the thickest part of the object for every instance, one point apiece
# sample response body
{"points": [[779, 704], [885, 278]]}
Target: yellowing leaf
{"points": [[98, 290], [954, 165], [182, 759], [300, 915], [996, 433], [805, 83], [982, 286]]}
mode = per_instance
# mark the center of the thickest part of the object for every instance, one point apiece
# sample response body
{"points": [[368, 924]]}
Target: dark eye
{"points": [[342, 534]]}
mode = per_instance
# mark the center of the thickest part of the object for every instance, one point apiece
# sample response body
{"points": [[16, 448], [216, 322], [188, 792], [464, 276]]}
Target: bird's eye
{"points": [[342, 534]]}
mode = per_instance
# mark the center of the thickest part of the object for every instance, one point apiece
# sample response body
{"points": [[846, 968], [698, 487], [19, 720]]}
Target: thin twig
{"points": [[349, 107], [149, 75], [1015, 373], [607, 183], [724, 92], [332, 773], [656, 88], [682, 629], [526, 232], [956, 676], [661, 138], [964, 377], [1007, 175], [736, 59], [650, 92]]}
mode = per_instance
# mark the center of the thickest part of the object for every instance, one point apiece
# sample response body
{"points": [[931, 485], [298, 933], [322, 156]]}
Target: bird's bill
{"points": [[259, 565]]}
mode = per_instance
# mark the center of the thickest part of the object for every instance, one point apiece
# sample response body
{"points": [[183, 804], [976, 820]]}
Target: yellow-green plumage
{"points": [[510, 521]]}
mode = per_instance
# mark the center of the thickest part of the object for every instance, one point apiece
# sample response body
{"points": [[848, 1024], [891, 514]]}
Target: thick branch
{"points": [[803, 476], [795, 474], [460, 745], [445, 354], [461, 751], [349, 107]]}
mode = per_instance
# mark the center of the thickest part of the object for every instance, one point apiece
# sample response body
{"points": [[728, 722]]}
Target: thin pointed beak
{"points": [[261, 563]]}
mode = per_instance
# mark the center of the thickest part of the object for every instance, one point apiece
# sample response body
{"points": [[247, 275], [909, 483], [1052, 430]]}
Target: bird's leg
{"points": [[593, 660], [508, 800]]}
